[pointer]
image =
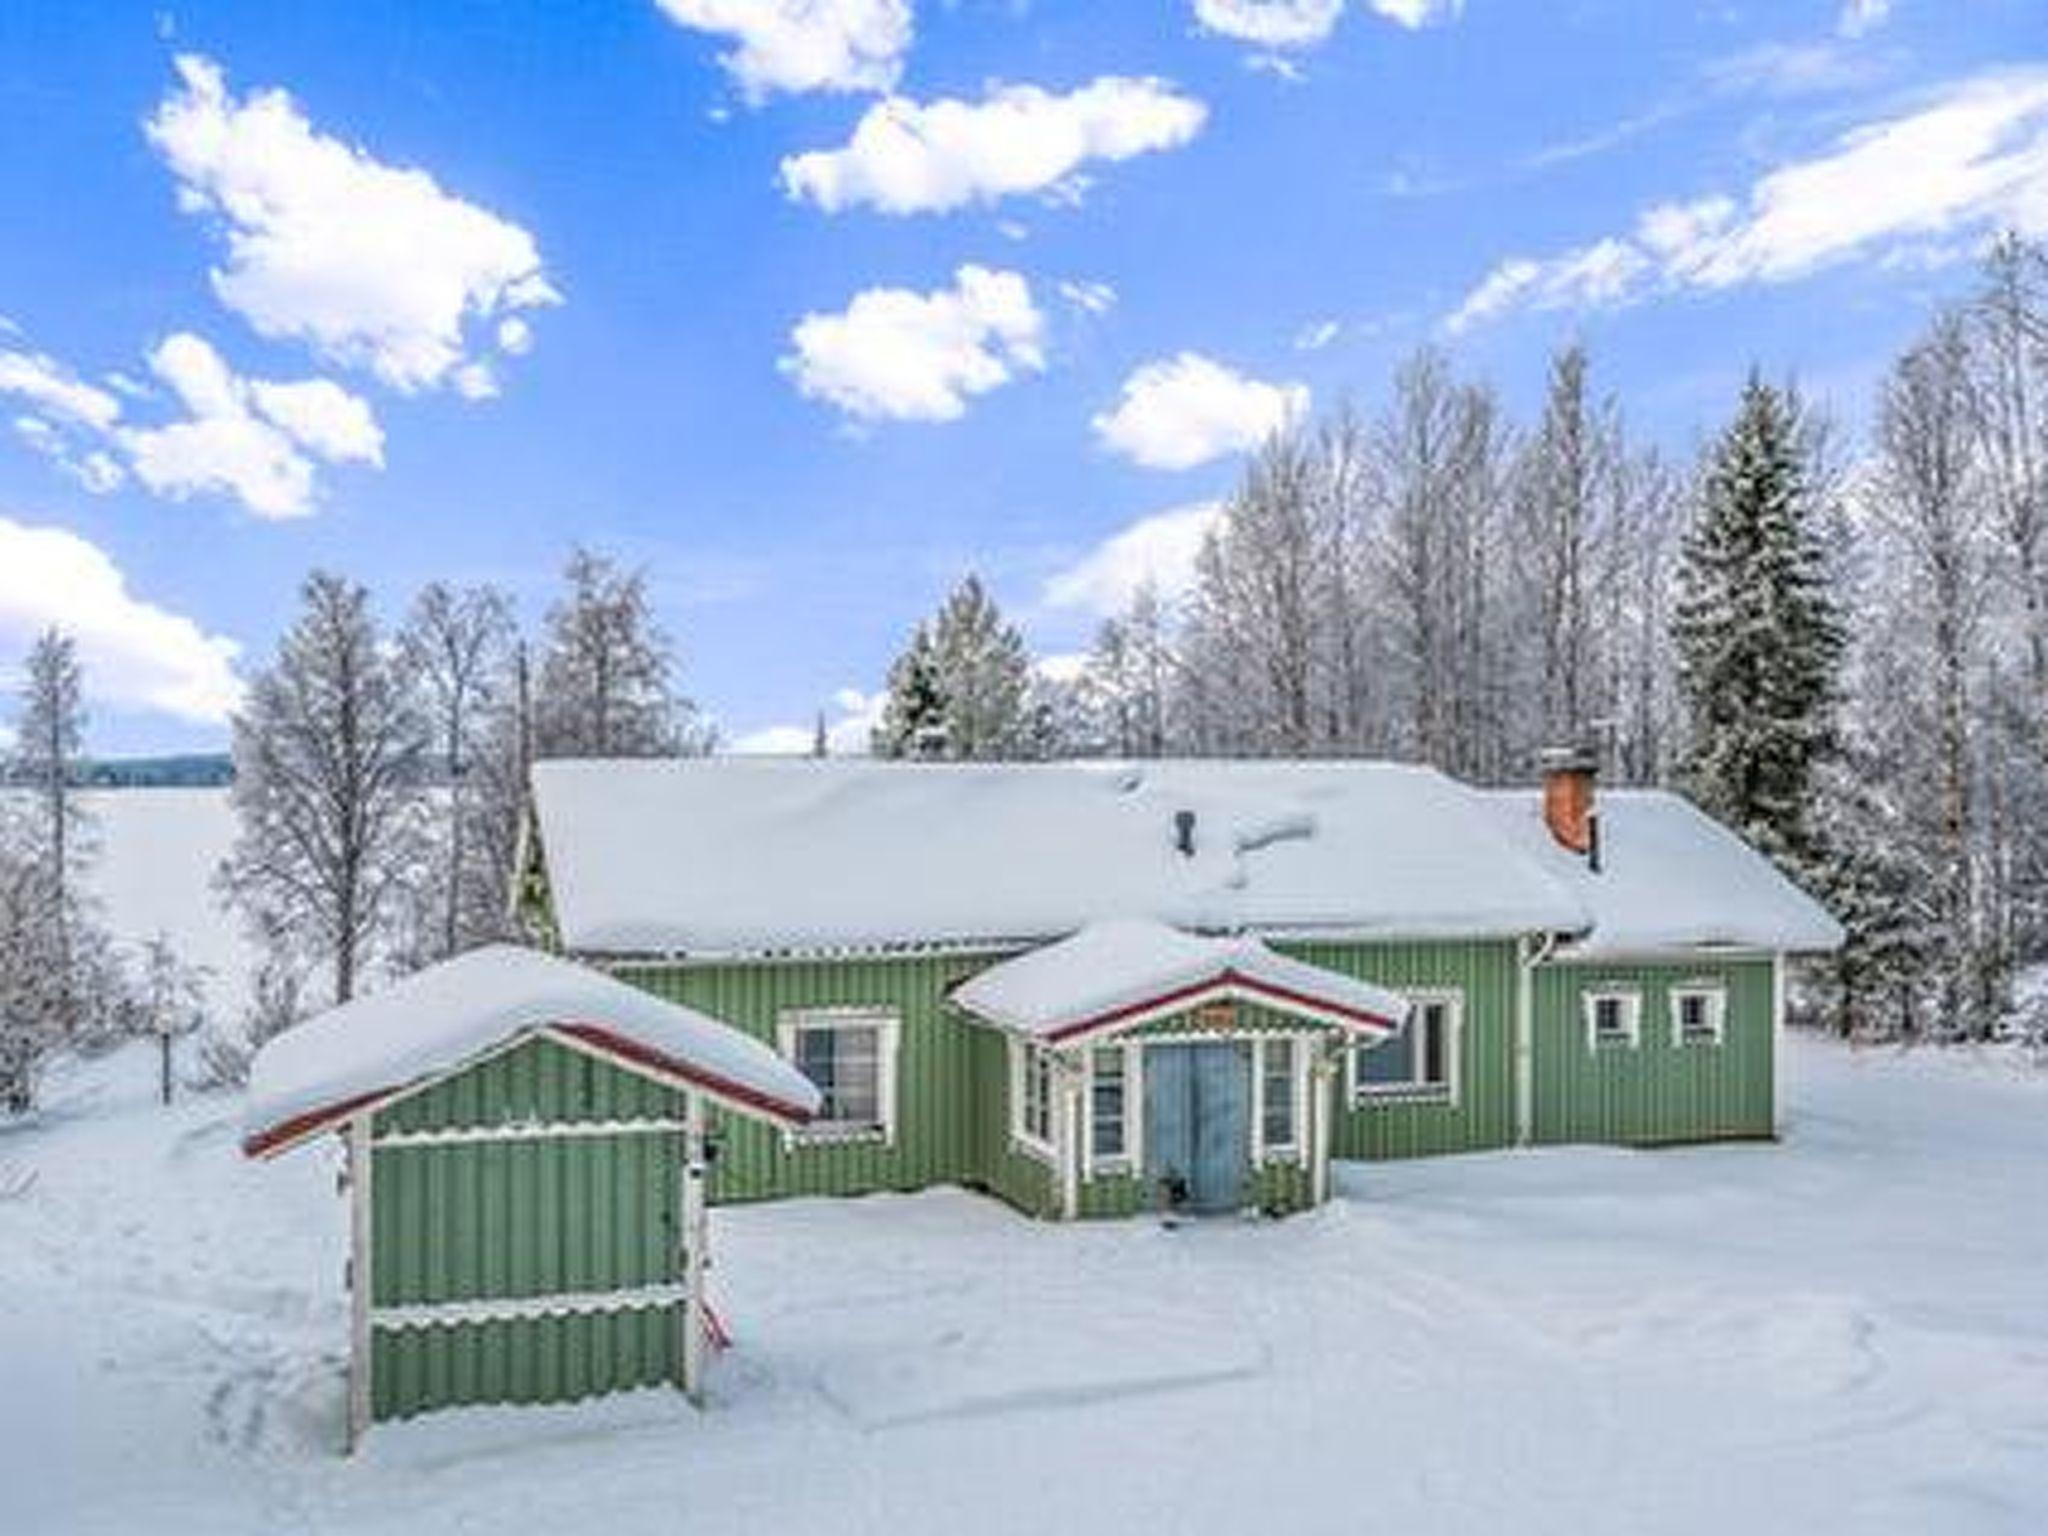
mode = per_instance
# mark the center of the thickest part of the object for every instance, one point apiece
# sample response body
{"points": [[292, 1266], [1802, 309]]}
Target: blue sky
{"points": [[811, 307]]}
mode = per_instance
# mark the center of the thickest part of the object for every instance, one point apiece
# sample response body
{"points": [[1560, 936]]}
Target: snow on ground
{"points": [[1843, 1333]]}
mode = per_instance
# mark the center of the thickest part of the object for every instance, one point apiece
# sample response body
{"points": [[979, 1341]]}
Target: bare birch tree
{"points": [[329, 751]]}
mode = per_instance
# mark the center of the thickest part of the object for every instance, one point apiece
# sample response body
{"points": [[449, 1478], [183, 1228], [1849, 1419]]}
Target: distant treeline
{"points": [[188, 770]]}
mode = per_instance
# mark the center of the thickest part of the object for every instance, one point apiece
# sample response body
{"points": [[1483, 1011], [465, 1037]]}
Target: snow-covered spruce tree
{"points": [[329, 749], [1759, 639], [913, 715], [458, 647], [606, 686], [963, 688]]}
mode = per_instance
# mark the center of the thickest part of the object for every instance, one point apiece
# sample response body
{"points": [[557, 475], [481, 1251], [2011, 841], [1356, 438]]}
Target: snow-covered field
{"points": [[154, 852], [1846, 1333]]}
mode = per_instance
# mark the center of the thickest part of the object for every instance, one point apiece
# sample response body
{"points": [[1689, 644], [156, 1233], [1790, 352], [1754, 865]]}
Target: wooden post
{"points": [[1067, 1132], [1322, 1077], [1525, 1041], [357, 1134], [1777, 1044], [696, 1234]]}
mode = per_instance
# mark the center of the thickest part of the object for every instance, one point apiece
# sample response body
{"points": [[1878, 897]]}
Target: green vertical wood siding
{"points": [[1657, 1091], [536, 1360], [507, 1219], [1484, 1113]]}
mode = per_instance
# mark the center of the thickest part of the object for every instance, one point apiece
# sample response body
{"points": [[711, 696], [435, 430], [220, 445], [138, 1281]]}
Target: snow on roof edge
{"points": [[451, 1014]]}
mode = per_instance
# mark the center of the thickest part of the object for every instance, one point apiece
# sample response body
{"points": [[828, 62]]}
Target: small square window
{"points": [[850, 1055], [1613, 1019], [1697, 1015]]}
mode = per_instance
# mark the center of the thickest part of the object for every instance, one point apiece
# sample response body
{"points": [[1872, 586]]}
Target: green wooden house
{"points": [[1103, 989], [1088, 989]]}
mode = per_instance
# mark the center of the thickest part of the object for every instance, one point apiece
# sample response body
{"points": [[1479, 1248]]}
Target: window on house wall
{"points": [[1419, 1062], [1108, 1104], [1613, 1019], [1278, 1116], [1031, 1096], [1698, 1013], [850, 1055]]}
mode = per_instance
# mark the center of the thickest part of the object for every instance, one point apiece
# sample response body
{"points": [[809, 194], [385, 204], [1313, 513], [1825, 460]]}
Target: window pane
{"points": [[857, 1097], [1435, 1019], [1391, 1061], [1106, 1108], [1277, 1123]]}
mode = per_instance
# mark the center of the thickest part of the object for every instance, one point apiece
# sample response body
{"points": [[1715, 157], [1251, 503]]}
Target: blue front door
{"points": [[1196, 1134]]}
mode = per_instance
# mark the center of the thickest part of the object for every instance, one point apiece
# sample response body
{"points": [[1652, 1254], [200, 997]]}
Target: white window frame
{"points": [[888, 1025], [1715, 996], [1022, 1052], [1127, 1160], [1416, 1090], [1631, 1000], [1262, 1149]]}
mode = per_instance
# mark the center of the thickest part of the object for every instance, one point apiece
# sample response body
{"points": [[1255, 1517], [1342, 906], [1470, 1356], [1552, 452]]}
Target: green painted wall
{"points": [[1484, 1113], [494, 1220], [1658, 1091]]}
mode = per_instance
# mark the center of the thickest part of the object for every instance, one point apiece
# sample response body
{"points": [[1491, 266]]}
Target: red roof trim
{"points": [[288, 1133], [630, 1050], [1228, 979]]}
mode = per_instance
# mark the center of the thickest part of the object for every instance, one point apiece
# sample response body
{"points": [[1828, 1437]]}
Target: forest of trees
{"points": [[1838, 648], [1841, 649]]}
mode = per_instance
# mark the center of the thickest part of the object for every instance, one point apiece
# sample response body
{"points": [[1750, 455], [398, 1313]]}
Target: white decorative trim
{"points": [[1777, 1045], [510, 1309], [527, 1130], [1022, 1138], [1263, 1151], [1630, 998], [1127, 1161], [696, 1243], [1715, 995], [888, 1024], [1417, 1090], [361, 1276]]}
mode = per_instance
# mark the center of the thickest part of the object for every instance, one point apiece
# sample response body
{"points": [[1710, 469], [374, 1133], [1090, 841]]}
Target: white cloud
{"points": [[804, 45], [849, 729], [928, 157], [1316, 335], [323, 417], [135, 654], [255, 439], [1863, 16], [1271, 23], [1182, 411], [1970, 157], [374, 265], [50, 387], [1090, 298], [899, 355], [93, 468], [1417, 14], [1160, 549]]}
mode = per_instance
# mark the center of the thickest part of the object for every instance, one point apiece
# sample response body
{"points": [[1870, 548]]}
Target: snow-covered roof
{"points": [[1670, 878], [747, 855], [370, 1048], [1119, 974]]}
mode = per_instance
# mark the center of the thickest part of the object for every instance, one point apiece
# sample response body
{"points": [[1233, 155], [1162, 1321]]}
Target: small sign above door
{"points": [[1216, 1018]]}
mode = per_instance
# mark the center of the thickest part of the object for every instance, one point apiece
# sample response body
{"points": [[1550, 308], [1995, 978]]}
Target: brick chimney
{"points": [[1568, 774]]}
